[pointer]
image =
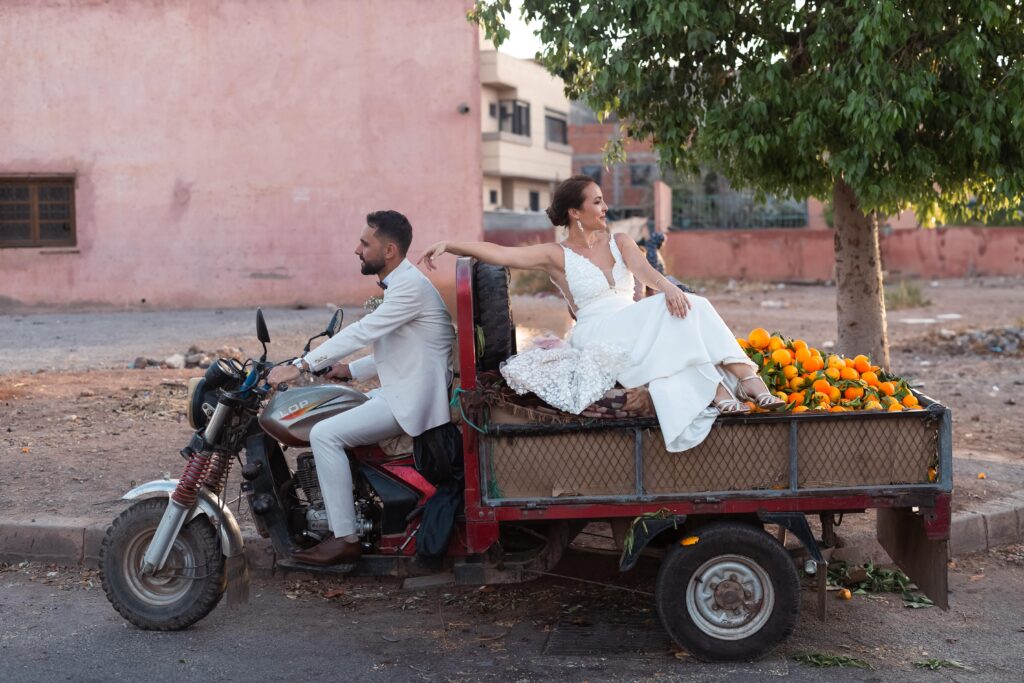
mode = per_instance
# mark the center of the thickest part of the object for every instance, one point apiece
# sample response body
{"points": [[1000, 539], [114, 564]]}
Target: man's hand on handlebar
{"points": [[340, 371]]}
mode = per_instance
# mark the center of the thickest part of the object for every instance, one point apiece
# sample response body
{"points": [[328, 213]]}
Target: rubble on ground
{"points": [[195, 357], [1007, 341]]}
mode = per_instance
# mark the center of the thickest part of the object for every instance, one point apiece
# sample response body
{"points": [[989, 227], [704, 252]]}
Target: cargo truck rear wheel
{"points": [[731, 595]]}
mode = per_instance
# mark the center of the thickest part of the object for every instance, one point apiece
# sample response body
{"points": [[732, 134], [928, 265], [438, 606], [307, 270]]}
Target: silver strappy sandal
{"points": [[764, 400], [731, 405]]}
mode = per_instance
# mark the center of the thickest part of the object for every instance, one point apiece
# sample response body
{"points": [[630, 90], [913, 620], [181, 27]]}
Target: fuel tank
{"points": [[290, 414]]}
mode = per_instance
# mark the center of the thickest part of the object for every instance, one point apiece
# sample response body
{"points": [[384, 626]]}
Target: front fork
{"points": [[198, 472]]}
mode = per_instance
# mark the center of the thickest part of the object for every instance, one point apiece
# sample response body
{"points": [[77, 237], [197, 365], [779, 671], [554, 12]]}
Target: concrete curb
{"points": [[995, 523], [73, 541], [69, 541]]}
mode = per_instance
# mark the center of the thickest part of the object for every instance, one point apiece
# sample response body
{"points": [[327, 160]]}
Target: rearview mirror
{"points": [[334, 326], [261, 327]]}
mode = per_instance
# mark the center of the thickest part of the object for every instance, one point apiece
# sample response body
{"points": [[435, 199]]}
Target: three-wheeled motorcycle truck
{"points": [[727, 588]]}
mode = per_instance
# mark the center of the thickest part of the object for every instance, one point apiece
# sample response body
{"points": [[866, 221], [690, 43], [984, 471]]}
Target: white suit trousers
{"points": [[361, 426]]}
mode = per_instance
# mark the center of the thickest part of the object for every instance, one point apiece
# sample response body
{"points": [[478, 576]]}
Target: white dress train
{"points": [[633, 343]]}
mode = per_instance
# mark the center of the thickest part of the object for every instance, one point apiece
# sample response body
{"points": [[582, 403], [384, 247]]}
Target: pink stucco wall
{"points": [[226, 151], [808, 254]]}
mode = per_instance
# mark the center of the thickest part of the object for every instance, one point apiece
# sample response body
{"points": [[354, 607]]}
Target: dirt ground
{"points": [[72, 443]]}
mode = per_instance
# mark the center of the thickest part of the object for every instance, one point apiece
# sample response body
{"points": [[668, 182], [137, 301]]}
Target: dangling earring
{"points": [[579, 225]]}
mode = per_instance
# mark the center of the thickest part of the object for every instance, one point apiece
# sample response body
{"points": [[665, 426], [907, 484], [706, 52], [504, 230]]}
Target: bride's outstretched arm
{"points": [[532, 257]]}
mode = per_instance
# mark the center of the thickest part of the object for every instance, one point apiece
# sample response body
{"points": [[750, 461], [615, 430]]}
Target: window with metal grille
{"points": [[640, 174], [557, 128], [515, 117], [592, 171], [534, 201], [37, 212]]}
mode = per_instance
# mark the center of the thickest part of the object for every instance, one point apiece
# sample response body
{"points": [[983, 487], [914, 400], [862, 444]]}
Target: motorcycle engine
{"points": [[317, 525]]}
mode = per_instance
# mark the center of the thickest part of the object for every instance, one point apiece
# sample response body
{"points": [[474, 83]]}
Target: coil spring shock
{"points": [[217, 474], [188, 486]]}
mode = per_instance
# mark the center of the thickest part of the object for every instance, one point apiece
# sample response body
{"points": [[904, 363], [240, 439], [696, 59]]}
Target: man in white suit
{"points": [[411, 334]]}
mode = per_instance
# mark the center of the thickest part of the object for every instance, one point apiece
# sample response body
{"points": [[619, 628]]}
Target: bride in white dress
{"points": [[674, 343]]}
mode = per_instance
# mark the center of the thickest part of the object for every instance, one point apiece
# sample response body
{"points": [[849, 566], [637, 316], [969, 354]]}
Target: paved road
{"points": [[374, 631], [83, 341]]}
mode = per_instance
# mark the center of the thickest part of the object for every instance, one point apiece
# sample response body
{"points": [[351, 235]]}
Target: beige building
{"points": [[525, 123]]}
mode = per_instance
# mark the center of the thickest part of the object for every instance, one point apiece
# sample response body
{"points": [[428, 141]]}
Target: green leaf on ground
{"points": [[916, 601], [825, 659], [935, 664]]}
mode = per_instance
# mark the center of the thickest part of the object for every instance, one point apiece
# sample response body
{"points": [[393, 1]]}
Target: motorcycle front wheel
{"points": [[185, 590]]}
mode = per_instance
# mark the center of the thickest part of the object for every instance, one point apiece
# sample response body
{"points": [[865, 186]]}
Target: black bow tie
{"points": [[382, 285]]}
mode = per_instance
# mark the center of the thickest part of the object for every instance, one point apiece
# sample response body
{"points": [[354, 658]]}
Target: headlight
{"points": [[196, 390], [226, 372]]}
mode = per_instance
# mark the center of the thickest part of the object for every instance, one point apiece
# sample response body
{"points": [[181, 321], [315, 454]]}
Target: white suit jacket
{"points": [[412, 335]]}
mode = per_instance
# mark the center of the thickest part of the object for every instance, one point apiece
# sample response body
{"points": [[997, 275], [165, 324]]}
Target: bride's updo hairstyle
{"points": [[568, 195]]}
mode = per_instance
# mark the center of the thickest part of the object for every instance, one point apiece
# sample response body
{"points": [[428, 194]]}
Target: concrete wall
{"points": [[807, 254], [226, 151]]}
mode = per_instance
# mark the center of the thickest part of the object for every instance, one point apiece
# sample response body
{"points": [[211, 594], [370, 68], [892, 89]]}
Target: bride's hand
{"points": [[435, 250], [677, 302]]}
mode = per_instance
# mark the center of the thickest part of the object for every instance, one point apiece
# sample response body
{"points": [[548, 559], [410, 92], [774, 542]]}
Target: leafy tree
{"points": [[881, 105]]}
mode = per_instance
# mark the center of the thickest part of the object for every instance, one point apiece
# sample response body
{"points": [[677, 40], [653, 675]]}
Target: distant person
{"points": [[674, 342], [411, 334]]}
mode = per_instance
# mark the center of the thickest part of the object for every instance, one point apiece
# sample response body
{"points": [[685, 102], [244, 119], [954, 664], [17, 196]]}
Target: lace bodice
{"points": [[588, 283]]}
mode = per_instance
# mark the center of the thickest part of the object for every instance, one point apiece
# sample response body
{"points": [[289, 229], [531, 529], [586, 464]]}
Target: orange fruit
{"points": [[834, 373], [744, 344], [933, 474], [888, 388], [849, 362], [844, 594], [800, 409], [870, 377], [796, 398], [895, 408], [776, 343], [797, 383], [759, 338], [834, 394], [837, 409], [814, 351], [872, 405], [782, 357], [802, 356], [835, 361], [849, 373], [820, 397], [821, 386], [790, 371], [862, 364], [800, 344], [813, 364], [853, 393], [910, 401]]}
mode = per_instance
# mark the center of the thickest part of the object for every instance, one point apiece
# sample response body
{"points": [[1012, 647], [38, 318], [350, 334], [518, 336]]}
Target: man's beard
{"points": [[369, 268]]}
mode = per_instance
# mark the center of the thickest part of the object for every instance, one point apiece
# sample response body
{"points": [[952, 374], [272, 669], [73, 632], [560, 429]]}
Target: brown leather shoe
{"points": [[332, 551]]}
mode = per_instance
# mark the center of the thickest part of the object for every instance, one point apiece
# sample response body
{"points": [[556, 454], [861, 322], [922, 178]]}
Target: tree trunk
{"points": [[860, 301]]}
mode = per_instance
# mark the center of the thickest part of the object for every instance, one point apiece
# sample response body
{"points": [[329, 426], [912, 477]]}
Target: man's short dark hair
{"points": [[392, 226]]}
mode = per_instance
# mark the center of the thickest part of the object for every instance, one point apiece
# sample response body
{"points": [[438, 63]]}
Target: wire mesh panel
{"points": [[866, 452], [575, 463], [524, 460], [734, 457]]}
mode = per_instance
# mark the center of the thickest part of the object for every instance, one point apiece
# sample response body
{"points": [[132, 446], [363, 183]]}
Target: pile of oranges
{"points": [[807, 380]]}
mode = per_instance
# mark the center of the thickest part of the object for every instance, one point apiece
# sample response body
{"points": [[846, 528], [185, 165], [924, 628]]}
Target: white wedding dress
{"points": [[633, 343]]}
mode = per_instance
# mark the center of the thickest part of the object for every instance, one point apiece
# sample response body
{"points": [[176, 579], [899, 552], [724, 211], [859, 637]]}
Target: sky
{"points": [[522, 43]]}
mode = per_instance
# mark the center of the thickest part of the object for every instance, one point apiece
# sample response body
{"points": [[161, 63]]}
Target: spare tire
{"points": [[492, 316]]}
